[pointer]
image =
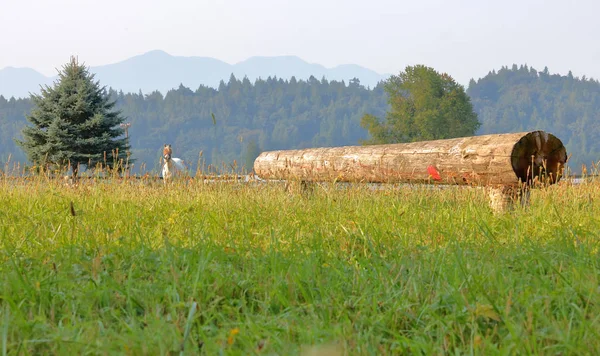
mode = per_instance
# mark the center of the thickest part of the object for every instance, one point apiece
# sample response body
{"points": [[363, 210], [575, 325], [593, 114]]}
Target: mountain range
{"points": [[158, 70]]}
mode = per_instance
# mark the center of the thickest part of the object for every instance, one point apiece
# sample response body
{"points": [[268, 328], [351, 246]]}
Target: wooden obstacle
{"points": [[504, 163]]}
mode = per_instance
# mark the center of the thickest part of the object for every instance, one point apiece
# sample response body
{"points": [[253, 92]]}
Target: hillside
{"points": [[284, 114], [522, 99], [269, 114], [158, 70], [20, 82]]}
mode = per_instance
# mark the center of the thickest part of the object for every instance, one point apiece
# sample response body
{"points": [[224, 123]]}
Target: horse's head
{"points": [[167, 152]]}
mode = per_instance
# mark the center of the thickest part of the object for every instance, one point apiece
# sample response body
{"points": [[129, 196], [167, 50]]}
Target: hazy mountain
{"points": [[19, 82], [158, 70]]}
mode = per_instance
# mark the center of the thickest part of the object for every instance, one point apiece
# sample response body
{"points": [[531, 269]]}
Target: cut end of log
{"points": [[539, 156]]}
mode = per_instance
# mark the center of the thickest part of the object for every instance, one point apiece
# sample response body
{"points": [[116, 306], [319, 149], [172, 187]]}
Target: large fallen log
{"points": [[489, 160]]}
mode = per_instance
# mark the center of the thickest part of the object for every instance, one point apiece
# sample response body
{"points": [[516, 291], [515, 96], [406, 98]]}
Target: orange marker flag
{"points": [[433, 173]]}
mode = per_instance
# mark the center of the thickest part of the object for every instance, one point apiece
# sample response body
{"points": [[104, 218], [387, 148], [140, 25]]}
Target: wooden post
{"points": [[503, 198], [300, 187]]}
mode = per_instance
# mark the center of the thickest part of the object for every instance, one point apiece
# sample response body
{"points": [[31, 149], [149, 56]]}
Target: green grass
{"points": [[148, 269]]}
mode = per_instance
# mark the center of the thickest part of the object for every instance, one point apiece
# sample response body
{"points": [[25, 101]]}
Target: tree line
{"points": [[522, 98], [232, 123], [239, 119]]}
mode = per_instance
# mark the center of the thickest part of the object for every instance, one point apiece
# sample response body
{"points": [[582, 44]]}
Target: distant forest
{"points": [[248, 118], [239, 119], [522, 99]]}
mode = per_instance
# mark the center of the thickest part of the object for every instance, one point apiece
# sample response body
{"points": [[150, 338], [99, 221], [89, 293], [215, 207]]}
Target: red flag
{"points": [[433, 173]]}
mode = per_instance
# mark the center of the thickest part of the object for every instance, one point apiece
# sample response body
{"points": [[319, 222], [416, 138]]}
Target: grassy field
{"points": [[235, 269]]}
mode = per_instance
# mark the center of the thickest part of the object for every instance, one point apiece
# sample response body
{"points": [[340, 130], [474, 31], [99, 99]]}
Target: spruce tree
{"points": [[74, 123]]}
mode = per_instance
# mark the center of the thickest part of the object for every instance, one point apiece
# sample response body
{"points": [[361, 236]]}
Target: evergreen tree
{"points": [[425, 105], [74, 123]]}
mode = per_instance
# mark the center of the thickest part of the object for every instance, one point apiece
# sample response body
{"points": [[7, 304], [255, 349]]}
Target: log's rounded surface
{"points": [[501, 159]]}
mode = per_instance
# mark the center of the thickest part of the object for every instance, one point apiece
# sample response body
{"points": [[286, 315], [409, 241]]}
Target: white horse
{"points": [[171, 165]]}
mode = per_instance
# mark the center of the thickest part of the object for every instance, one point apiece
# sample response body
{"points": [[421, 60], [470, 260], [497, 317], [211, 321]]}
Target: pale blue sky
{"points": [[465, 38]]}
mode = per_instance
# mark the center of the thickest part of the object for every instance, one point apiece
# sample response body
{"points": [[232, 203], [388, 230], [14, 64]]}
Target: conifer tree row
{"points": [[273, 113]]}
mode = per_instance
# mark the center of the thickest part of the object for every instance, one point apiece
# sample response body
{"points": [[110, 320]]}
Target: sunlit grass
{"points": [[249, 268]]}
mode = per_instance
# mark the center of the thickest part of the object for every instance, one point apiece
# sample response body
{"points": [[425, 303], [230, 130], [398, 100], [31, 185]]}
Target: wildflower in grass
{"points": [[232, 333], [172, 219]]}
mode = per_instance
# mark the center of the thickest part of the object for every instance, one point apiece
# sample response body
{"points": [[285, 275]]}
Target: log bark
{"points": [[500, 159]]}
